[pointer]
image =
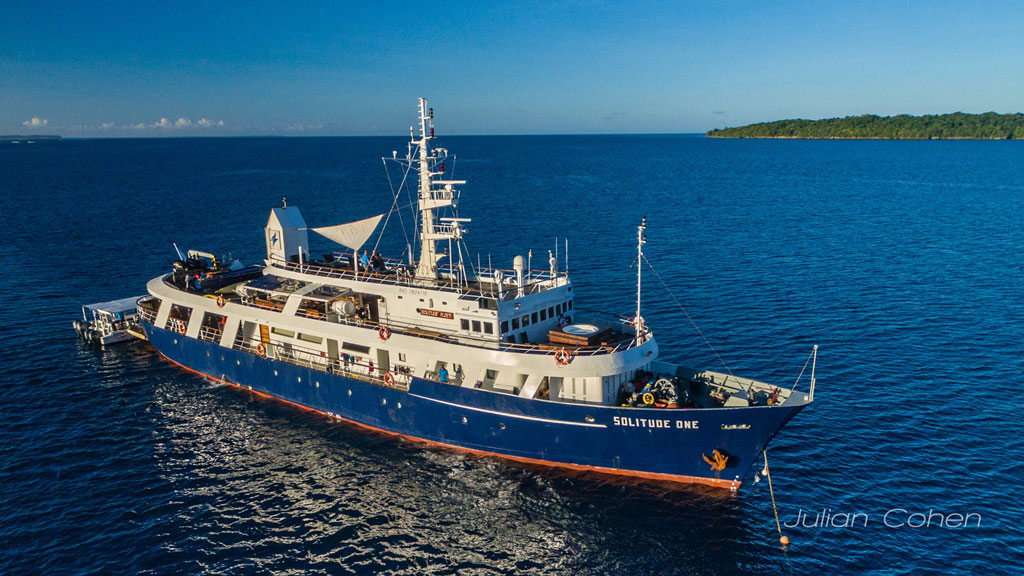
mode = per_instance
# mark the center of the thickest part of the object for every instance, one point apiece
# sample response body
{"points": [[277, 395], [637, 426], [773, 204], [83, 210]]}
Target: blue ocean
{"points": [[901, 260]]}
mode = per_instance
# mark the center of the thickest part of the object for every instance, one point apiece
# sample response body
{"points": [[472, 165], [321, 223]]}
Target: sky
{"points": [[152, 69]]}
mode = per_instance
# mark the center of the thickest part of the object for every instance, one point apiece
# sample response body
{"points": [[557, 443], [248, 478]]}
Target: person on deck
{"points": [[377, 261], [442, 375], [365, 261]]}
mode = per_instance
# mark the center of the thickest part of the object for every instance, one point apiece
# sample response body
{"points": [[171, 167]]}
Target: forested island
{"points": [[987, 126]]}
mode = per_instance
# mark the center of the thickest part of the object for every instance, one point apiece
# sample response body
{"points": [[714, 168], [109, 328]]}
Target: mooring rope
{"points": [[778, 525]]}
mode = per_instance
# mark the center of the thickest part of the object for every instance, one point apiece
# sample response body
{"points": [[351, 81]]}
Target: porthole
{"points": [[207, 353], [589, 419], [465, 420], [501, 425], [399, 405], [317, 383], [299, 379], [175, 340], [383, 401], [238, 362], [275, 372], [349, 392]]}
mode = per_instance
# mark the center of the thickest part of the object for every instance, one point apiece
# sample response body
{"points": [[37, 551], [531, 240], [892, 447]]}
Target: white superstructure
{"points": [[514, 331]]}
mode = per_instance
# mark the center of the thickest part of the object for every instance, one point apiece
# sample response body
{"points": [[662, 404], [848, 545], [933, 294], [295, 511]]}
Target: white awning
{"points": [[352, 235]]}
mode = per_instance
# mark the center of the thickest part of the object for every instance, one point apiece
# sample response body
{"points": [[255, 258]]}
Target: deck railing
{"points": [[210, 334], [401, 275], [346, 366], [397, 327]]}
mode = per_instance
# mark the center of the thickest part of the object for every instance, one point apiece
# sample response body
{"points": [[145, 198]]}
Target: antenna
{"points": [[638, 322]]}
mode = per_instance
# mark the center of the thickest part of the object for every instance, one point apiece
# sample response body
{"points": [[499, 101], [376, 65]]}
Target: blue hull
{"points": [[652, 443]]}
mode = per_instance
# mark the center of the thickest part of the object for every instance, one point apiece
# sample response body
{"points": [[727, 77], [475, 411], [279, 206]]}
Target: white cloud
{"points": [[302, 127], [35, 122], [182, 123], [139, 126], [107, 125]]}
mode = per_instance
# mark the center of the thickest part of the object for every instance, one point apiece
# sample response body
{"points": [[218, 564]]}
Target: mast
{"points": [[433, 194], [638, 322]]}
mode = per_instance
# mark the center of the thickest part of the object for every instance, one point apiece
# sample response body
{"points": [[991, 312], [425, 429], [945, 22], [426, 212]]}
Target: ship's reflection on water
{"points": [[252, 482]]}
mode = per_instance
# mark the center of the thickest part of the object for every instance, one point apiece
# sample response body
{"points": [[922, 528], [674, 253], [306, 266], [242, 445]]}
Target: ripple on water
{"points": [[897, 258]]}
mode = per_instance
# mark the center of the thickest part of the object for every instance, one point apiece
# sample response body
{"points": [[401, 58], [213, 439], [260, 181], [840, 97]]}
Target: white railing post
{"points": [[814, 363]]}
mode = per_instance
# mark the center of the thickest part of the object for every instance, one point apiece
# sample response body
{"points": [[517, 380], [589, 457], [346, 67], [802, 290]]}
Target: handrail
{"points": [[397, 279], [344, 367], [210, 334], [412, 330]]}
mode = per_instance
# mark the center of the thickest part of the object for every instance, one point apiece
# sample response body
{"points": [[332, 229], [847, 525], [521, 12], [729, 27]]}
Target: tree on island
{"points": [[987, 126]]}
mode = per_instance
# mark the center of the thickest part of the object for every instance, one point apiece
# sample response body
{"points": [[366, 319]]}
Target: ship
{"points": [[499, 362]]}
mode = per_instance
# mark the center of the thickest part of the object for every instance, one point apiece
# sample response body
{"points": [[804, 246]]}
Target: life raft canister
{"points": [[384, 332], [562, 357]]}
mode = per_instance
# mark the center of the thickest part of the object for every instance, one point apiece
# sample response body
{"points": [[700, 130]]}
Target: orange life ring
{"points": [[182, 327], [384, 332], [562, 357], [389, 379], [261, 349], [220, 301]]}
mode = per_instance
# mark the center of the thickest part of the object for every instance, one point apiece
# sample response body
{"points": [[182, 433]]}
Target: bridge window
{"points": [[504, 326], [465, 324], [476, 325], [488, 328]]}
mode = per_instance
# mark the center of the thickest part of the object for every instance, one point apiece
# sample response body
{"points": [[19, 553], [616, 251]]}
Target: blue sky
{"points": [[94, 69]]}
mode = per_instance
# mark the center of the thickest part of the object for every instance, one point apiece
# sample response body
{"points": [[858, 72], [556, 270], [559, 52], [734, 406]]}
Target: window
{"points": [[543, 315], [515, 323], [283, 332], [488, 328], [570, 304], [476, 325], [311, 338], [465, 324], [526, 321], [551, 311], [535, 318], [492, 374], [401, 356], [355, 347], [504, 326], [487, 304]]}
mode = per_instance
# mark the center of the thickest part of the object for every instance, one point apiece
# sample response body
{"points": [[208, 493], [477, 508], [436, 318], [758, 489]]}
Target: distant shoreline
{"points": [[20, 137], [955, 126]]}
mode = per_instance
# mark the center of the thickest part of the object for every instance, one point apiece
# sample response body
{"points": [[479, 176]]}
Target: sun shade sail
{"points": [[352, 235]]}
